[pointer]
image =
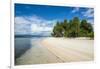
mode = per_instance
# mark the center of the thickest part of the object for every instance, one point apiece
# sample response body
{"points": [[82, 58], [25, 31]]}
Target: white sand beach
{"points": [[58, 50]]}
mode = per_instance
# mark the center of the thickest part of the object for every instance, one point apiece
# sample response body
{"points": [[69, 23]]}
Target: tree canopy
{"points": [[73, 28]]}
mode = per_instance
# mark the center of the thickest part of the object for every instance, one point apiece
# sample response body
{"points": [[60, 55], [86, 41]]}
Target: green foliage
{"points": [[91, 35], [73, 28], [58, 30], [86, 28]]}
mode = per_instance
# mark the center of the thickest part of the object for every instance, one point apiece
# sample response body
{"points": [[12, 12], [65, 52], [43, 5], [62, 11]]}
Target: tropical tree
{"points": [[73, 28], [86, 28], [58, 30]]}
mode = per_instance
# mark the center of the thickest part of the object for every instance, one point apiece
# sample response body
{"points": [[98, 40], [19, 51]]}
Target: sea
{"points": [[24, 42]]}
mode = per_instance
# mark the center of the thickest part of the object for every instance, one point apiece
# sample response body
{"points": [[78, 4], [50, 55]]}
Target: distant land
{"points": [[30, 35]]}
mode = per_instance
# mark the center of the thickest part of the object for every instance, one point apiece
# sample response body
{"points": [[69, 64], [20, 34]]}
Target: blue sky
{"points": [[36, 19]]}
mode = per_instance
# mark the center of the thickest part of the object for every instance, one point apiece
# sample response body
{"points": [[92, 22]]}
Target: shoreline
{"points": [[58, 50]]}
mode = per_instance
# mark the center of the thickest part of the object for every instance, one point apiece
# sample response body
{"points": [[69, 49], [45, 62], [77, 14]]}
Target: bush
{"points": [[91, 35]]}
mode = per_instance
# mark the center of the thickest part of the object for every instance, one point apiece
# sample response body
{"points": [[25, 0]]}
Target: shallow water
{"points": [[22, 44]]}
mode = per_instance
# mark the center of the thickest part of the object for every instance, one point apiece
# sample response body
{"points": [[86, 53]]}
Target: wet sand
{"points": [[57, 50]]}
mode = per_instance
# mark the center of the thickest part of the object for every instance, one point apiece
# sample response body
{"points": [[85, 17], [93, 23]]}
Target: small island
{"points": [[73, 28]]}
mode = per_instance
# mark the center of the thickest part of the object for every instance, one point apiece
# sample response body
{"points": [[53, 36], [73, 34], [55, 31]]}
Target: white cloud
{"points": [[76, 9], [33, 25], [37, 28], [22, 26], [21, 20], [22, 29], [89, 13]]}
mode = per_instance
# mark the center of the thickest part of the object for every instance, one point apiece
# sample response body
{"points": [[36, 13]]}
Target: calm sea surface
{"points": [[22, 44]]}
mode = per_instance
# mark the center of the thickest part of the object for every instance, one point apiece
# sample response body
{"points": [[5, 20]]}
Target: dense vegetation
{"points": [[73, 28]]}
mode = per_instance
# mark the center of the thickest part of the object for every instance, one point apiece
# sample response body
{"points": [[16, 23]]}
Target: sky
{"points": [[40, 19]]}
